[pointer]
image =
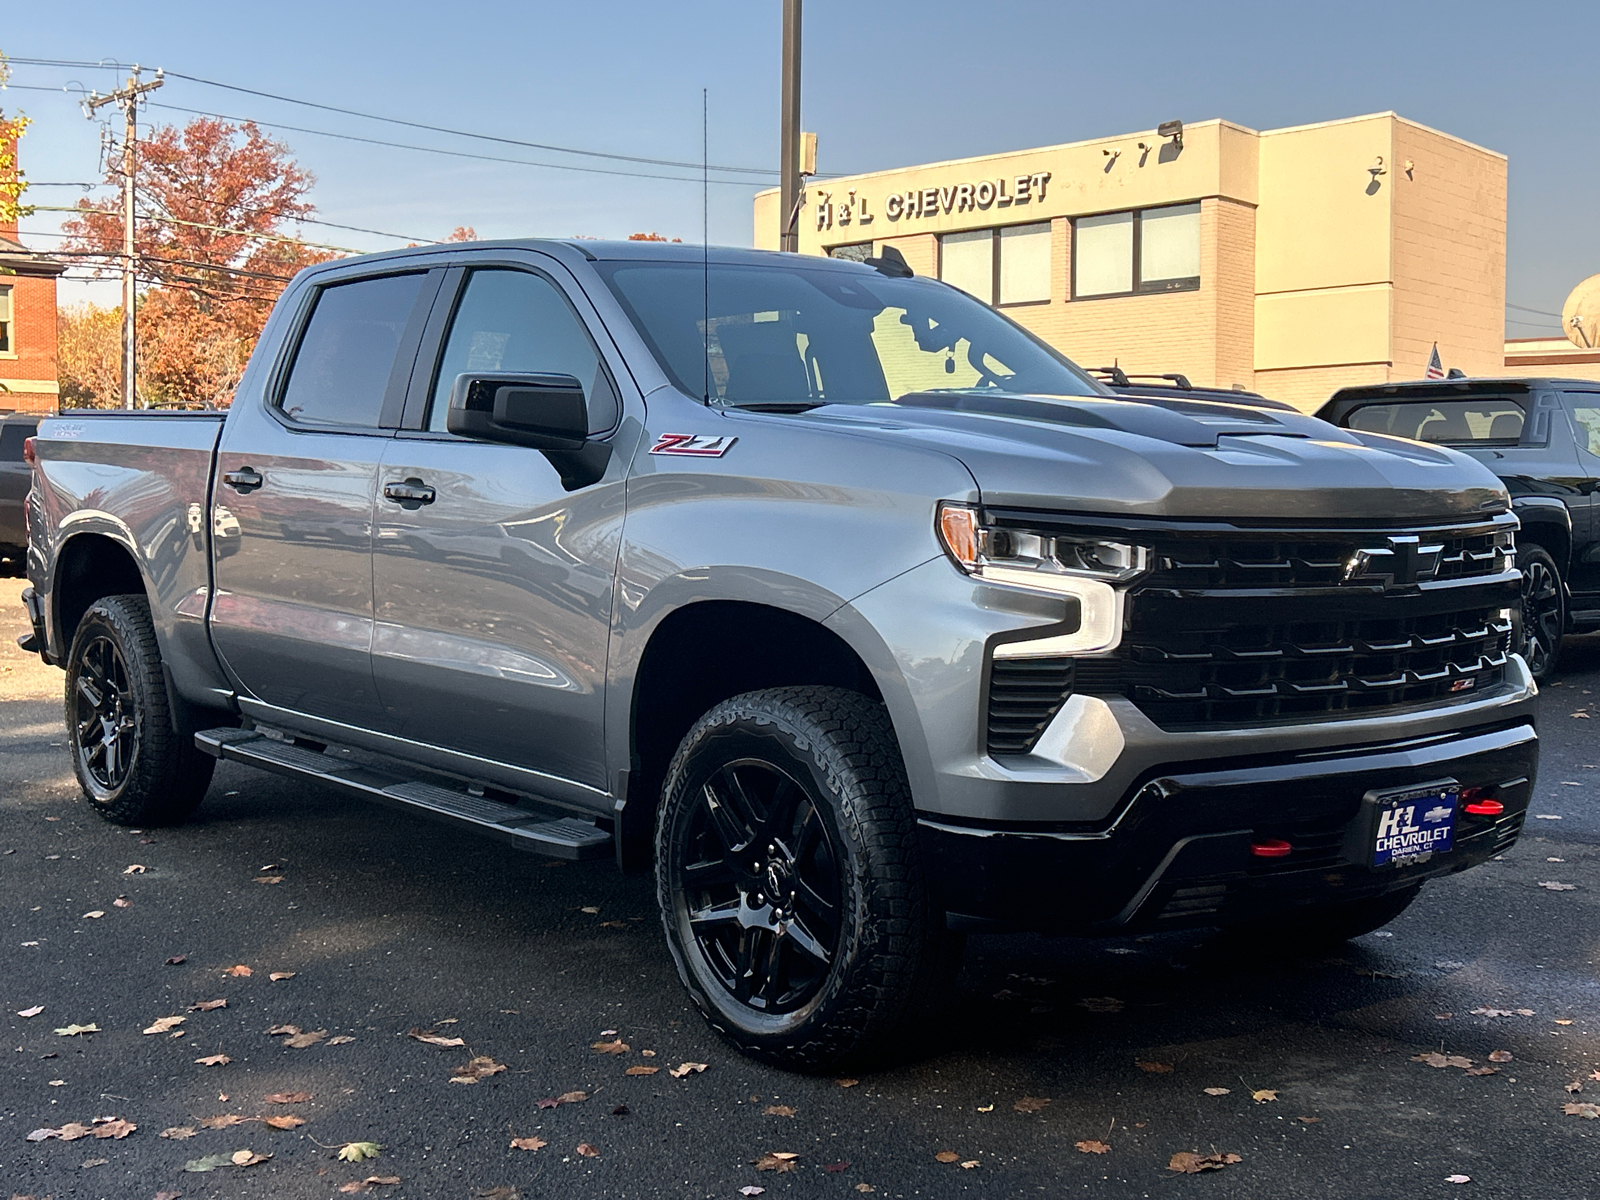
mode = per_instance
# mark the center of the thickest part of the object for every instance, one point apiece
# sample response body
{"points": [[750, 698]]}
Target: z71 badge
{"points": [[697, 444]]}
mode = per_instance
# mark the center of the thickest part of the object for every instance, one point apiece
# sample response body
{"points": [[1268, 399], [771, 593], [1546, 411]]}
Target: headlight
{"points": [[1085, 569]]}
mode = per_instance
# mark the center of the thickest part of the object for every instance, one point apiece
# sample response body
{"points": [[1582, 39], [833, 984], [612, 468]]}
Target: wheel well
{"points": [[89, 568], [1552, 537], [702, 655]]}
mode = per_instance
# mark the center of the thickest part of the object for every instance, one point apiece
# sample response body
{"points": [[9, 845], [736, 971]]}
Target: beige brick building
{"points": [[1291, 261]]}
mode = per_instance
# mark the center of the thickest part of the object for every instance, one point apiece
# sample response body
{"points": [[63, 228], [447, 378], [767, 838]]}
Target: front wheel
{"points": [[789, 881], [132, 763], [1542, 617]]}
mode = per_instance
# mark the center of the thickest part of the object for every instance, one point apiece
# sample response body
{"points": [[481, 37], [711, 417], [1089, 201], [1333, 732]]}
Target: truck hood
{"points": [[1183, 459]]}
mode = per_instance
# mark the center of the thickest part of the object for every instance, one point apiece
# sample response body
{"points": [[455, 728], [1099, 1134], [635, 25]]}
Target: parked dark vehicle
{"points": [[857, 612], [1174, 386], [15, 477], [1542, 438]]}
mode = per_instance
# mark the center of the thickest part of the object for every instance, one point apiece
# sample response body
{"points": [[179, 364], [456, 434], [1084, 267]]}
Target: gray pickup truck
{"points": [[852, 608]]}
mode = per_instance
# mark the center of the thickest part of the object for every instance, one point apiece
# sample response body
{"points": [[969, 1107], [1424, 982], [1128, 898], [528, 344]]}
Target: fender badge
{"points": [[695, 444]]}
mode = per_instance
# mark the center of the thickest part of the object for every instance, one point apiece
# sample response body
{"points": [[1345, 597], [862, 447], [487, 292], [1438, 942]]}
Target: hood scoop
{"points": [[1198, 423]]}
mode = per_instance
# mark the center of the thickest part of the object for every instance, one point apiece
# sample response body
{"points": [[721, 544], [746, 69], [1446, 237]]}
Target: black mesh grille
{"points": [[1024, 693]]}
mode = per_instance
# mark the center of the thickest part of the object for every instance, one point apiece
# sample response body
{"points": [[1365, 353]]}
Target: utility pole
{"points": [[128, 97], [789, 139]]}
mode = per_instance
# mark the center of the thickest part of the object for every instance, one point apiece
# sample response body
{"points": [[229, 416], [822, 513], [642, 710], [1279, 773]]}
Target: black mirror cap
{"points": [[543, 412]]}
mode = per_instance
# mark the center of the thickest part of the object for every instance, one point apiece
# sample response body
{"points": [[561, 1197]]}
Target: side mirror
{"points": [[544, 412]]}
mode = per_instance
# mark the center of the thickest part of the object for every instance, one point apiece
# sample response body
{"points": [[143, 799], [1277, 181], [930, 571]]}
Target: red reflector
{"points": [[1485, 808], [28, 455], [1271, 848]]}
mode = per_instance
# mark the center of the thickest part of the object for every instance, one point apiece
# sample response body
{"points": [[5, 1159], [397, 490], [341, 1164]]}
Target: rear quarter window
{"points": [[12, 435], [1586, 419], [1448, 421]]}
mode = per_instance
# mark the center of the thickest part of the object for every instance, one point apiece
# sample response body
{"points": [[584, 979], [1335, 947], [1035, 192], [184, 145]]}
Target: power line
{"points": [[484, 137], [1537, 311], [266, 237], [350, 137]]}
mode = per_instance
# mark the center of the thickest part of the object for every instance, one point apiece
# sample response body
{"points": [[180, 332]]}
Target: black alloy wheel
{"points": [[1543, 612], [133, 763], [104, 715], [790, 887]]}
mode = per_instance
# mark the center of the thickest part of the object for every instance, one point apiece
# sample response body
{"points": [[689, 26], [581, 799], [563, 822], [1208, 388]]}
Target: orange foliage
{"points": [[649, 237], [463, 233]]}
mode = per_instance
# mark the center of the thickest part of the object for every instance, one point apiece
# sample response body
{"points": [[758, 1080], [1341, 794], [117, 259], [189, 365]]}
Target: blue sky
{"points": [[886, 84]]}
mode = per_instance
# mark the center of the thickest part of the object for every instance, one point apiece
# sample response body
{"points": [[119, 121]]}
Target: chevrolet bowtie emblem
{"points": [[1400, 563]]}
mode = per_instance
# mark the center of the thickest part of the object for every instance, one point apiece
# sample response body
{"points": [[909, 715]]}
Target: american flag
{"points": [[1435, 367]]}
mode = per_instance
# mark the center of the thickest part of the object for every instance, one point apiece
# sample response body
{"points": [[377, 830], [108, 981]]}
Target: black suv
{"points": [[1173, 386], [1542, 437], [15, 428]]}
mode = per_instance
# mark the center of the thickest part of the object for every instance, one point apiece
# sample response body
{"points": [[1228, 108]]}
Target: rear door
{"points": [[1583, 409], [494, 594], [296, 483]]}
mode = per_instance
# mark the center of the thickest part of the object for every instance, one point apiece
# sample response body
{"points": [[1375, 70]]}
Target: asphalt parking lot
{"points": [[385, 924]]}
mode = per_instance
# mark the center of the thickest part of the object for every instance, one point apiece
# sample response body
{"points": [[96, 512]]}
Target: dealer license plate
{"points": [[1414, 824]]}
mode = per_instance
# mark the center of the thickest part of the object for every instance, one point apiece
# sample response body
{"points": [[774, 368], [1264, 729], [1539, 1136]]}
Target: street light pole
{"points": [[789, 138], [128, 97]]}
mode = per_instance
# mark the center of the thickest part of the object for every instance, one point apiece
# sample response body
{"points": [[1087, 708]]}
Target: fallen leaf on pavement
{"points": [[1483, 1071], [269, 878], [167, 1195], [284, 1122], [847, 1082], [1588, 1112], [969, 1165], [1575, 1087], [279, 1030], [615, 1047], [480, 1067], [208, 1005], [1435, 1059], [75, 1030], [239, 972], [565, 1098], [177, 1132], [1217, 1091], [1031, 1104], [1553, 886], [280, 976], [248, 1158], [163, 1024], [1499, 1056], [344, 1037], [209, 1163], [177, 960], [587, 1150], [503, 1193], [287, 1097], [301, 1040], [357, 1151], [95, 915], [122, 902], [777, 1160], [1309, 1120], [1186, 1162], [947, 1156], [94, 1162], [777, 1110], [135, 869], [1458, 1178], [370, 1182], [1090, 1146], [58, 1083], [528, 1143], [214, 1060], [1582, 716], [31, 1012], [1264, 1095], [751, 1190], [865, 1187], [641, 1070], [685, 1069], [1102, 1004], [434, 1038], [1155, 1068]]}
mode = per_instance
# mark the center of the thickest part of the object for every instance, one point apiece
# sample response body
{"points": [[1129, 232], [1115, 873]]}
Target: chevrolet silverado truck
{"points": [[849, 607]]}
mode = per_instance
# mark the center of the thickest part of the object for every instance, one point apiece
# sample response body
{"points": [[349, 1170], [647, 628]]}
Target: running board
{"points": [[566, 837]]}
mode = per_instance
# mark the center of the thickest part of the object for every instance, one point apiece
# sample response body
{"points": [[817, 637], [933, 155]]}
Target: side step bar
{"points": [[566, 837]]}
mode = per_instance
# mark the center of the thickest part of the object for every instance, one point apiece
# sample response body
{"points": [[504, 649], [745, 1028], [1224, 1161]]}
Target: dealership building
{"points": [[1290, 261]]}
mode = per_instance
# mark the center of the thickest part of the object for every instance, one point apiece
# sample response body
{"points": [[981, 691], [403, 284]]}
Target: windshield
{"points": [[798, 335]]}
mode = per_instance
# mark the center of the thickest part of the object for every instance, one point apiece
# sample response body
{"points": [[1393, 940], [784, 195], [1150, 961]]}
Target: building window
{"points": [[5, 321], [1009, 265], [854, 252], [1122, 254]]}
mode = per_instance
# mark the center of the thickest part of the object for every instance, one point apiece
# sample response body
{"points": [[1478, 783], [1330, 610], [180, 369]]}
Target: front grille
{"points": [[1024, 694], [1236, 627]]}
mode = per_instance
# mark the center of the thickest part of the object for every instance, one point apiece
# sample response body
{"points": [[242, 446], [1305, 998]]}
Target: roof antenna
{"points": [[705, 238]]}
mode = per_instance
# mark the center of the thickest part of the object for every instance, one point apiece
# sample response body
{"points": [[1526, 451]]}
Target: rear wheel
{"points": [[1542, 616], [132, 763], [789, 882]]}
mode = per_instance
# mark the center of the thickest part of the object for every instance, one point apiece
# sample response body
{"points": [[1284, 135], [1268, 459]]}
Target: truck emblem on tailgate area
{"points": [[1405, 560], [698, 444]]}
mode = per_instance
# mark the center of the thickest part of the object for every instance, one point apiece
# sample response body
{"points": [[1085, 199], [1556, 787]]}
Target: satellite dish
{"points": [[1580, 315]]}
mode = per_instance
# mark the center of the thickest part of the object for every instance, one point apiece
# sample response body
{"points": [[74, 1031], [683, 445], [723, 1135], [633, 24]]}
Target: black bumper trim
{"points": [[37, 641]]}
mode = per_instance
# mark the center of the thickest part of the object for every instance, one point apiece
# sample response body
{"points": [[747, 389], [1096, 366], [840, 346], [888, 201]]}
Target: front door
{"points": [[1584, 410], [493, 580], [297, 476]]}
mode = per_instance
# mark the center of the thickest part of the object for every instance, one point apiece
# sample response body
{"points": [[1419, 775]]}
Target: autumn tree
{"points": [[212, 247], [89, 355], [12, 182], [649, 237], [463, 233]]}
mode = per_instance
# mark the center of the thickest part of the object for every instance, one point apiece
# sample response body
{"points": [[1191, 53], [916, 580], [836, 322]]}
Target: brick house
{"points": [[28, 380]]}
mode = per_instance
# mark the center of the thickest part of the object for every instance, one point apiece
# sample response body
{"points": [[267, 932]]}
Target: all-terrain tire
{"points": [[1541, 618], [135, 767], [828, 758]]}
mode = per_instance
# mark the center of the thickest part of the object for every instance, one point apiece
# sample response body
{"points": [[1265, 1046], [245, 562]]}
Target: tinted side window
{"points": [[519, 322], [1586, 419], [342, 366], [12, 435]]}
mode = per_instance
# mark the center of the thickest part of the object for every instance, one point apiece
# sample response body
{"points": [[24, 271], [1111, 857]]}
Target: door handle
{"points": [[410, 492], [246, 479]]}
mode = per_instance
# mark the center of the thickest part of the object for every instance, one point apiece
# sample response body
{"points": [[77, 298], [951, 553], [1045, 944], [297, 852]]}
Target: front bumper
{"points": [[1177, 852]]}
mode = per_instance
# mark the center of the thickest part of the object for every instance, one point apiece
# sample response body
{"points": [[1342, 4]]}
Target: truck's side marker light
{"points": [[1271, 848]]}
